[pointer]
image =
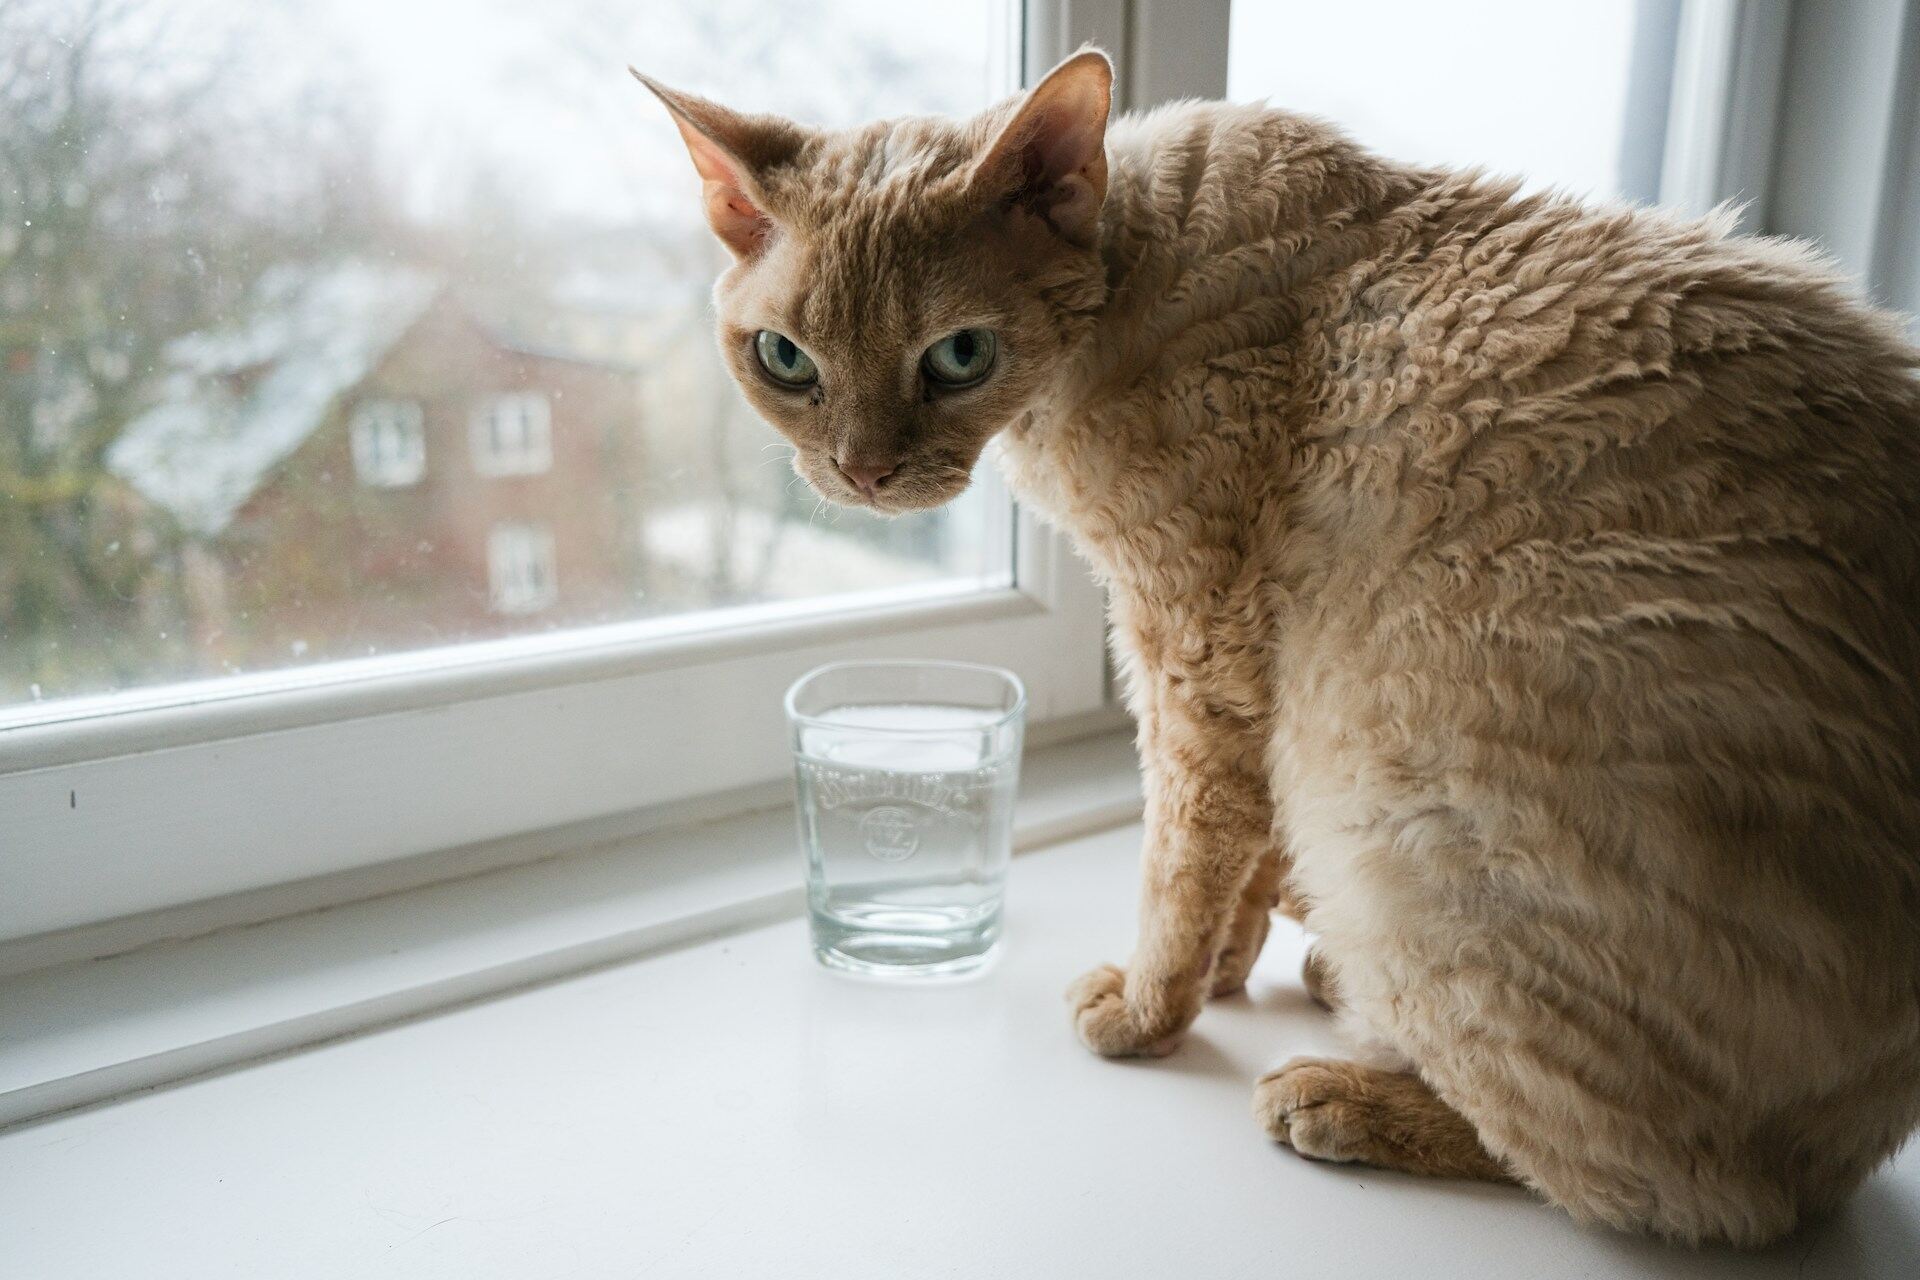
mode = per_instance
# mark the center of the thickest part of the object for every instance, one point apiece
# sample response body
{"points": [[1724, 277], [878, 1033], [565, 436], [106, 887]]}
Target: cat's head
{"points": [[900, 292]]}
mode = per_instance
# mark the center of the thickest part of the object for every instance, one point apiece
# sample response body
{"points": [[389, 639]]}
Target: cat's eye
{"points": [[959, 359], [783, 359]]}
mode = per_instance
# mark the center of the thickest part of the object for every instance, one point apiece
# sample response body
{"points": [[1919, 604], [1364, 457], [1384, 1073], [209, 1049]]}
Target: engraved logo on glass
{"points": [[908, 809], [951, 794], [890, 833]]}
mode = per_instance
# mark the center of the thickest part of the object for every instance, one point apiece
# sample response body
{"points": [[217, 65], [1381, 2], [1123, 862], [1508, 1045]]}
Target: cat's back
{"points": [[1637, 516], [1660, 373], [1481, 352]]}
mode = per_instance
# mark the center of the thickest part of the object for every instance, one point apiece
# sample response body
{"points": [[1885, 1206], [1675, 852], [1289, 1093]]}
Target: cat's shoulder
{"points": [[1224, 132]]}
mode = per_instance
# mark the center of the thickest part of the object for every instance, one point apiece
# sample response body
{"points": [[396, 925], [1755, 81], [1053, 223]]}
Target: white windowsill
{"points": [[728, 1109], [81, 1032]]}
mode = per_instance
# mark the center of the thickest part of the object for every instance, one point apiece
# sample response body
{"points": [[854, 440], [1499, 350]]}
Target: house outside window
{"points": [[520, 568], [389, 443], [513, 435]]}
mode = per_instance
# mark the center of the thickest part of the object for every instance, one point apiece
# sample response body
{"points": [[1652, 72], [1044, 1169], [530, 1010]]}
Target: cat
{"points": [[1523, 595]]}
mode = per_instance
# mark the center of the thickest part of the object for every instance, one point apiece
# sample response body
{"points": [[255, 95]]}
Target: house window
{"points": [[520, 569], [513, 435], [389, 443]]}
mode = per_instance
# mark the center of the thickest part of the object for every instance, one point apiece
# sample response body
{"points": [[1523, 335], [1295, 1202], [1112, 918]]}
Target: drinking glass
{"points": [[906, 774]]}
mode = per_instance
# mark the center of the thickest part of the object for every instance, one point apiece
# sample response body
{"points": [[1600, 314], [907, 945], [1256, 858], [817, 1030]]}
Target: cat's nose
{"points": [[866, 477]]}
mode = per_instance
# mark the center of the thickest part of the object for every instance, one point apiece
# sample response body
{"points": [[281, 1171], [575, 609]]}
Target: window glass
{"points": [[226, 224], [1565, 95]]}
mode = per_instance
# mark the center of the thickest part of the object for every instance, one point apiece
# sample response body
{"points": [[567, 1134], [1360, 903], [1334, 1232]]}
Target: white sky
{"points": [[537, 92], [1534, 87]]}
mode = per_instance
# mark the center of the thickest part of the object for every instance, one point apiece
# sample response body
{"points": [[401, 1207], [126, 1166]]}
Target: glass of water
{"points": [[906, 775]]}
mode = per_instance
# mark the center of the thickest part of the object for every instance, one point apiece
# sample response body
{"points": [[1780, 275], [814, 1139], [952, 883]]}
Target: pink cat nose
{"points": [[867, 478]]}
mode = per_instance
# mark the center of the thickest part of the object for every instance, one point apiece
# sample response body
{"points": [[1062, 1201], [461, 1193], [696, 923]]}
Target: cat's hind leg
{"points": [[1252, 919], [1354, 1114], [1316, 975]]}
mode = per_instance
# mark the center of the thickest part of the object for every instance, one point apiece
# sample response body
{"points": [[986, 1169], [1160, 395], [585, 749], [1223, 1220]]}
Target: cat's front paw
{"points": [[1106, 1023]]}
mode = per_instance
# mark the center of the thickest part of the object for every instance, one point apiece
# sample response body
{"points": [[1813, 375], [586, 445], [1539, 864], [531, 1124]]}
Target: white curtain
{"points": [[1846, 166]]}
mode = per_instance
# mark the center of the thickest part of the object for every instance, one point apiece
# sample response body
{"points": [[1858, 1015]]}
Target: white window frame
{"points": [[157, 799], [528, 451], [522, 574], [389, 443], [145, 801]]}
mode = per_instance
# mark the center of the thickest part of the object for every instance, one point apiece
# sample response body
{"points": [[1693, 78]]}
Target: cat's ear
{"points": [[730, 151], [1051, 157]]}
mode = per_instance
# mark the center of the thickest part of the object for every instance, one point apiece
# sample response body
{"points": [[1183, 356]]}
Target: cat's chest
{"points": [[1169, 486]]}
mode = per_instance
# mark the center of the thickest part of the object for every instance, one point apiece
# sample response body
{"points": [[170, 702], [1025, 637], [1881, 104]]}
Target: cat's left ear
{"points": [[1051, 157], [730, 151]]}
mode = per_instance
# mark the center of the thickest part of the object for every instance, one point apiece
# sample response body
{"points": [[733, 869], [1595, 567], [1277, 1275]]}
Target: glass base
{"points": [[942, 967], [905, 953]]}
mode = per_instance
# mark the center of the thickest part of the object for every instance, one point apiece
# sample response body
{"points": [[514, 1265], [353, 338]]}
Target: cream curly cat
{"points": [[1524, 594]]}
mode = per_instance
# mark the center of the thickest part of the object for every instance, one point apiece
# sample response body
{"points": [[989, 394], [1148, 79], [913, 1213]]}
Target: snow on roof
{"points": [[310, 337]]}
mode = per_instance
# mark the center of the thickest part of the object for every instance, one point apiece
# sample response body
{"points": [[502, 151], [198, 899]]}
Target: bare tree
{"points": [[131, 212]]}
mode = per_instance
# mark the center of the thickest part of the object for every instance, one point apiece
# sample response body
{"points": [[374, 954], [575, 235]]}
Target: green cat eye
{"points": [[960, 359], [783, 359]]}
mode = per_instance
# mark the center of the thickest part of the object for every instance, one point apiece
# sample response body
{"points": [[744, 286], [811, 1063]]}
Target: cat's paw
{"points": [[1354, 1114], [1105, 1022], [1313, 1106]]}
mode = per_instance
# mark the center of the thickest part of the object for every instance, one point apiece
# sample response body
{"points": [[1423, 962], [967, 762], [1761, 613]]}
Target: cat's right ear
{"points": [[730, 151], [1050, 158]]}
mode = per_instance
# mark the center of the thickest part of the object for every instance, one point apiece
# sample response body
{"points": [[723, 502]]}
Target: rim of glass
{"points": [[797, 716]]}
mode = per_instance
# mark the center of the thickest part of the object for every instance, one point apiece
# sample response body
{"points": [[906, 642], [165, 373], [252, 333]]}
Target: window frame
{"points": [[303, 774], [154, 799]]}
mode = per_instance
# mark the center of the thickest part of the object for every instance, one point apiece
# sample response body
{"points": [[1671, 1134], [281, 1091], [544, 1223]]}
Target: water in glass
{"points": [[906, 812]]}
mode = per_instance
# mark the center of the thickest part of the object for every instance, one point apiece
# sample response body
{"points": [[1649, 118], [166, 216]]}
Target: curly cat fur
{"points": [[1527, 593]]}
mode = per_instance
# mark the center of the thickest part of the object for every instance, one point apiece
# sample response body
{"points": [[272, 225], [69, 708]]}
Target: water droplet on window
{"points": [[299, 648]]}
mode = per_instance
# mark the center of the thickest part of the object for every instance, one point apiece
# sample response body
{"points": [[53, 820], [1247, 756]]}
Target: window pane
{"points": [[1566, 95], [347, 329]]}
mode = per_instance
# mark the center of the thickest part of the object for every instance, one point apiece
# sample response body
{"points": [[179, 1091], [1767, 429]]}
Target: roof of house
{"points": [[237, 401]]}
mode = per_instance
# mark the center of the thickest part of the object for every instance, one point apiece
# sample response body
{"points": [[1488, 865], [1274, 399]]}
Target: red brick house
{"points": [[361, 466]]}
